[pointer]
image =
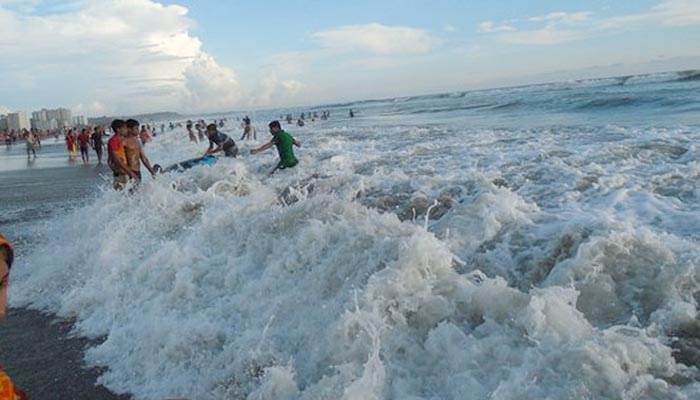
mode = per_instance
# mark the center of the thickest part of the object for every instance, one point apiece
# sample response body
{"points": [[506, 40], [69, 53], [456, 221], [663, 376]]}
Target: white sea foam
{"points": [[563, 264]]}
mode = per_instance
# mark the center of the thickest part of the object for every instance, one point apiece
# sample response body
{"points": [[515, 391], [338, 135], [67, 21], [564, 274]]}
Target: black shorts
{"points": [[83, 150], [230, 150]]}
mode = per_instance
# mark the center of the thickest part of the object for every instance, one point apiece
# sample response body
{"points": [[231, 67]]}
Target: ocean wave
{"points": [[392, 262]]}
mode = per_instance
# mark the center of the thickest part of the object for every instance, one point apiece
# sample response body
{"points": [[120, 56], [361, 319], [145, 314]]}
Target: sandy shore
{"points": [[37, 351]]}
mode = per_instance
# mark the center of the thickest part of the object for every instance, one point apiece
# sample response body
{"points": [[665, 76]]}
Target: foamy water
{"points": [[558, 259]]}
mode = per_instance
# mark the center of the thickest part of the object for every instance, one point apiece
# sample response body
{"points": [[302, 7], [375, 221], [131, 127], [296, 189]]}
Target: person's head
{"points": [[274, 127], [133, 126], [211, 129], [6, 258], [119, 127]]}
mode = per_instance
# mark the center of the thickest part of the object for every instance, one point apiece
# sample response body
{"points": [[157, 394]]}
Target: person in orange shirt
{"points": [[8, 391], [116, 156]]}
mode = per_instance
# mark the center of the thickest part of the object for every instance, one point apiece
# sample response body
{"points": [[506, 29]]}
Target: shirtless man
{"points": [[134, 152]]}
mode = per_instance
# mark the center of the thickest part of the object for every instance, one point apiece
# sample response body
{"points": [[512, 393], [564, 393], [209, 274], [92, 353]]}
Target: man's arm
{"points": [[262, 148], [147, 163], [211, 146], [296, 142]]}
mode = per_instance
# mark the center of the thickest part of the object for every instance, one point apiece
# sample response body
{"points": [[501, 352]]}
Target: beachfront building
{"points": [[52, 119], [3, 123], [79, 120], [17, 121]]}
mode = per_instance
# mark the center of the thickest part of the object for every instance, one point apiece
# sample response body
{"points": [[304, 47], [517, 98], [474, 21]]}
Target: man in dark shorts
{"points": [[84, 141], [283, 141], [220, 142], [97, 144]]}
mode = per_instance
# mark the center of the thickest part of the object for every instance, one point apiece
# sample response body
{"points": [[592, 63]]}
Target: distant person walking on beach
{"points": [[70, 144], [7, 388], [134, 152], [30, 140], [283, 141], [84, 141], [116, 156], [351, 114], [220, 142], [37, 138], [97, 144]]}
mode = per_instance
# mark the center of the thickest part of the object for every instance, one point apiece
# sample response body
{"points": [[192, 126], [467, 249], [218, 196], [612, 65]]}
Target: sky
{"points": [[119, 57]]}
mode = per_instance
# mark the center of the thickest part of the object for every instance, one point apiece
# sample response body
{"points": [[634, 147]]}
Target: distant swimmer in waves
{"points": [[7, 388], [134, 151], [116, 156], [181, 166], [283, 141], [220, 142]]}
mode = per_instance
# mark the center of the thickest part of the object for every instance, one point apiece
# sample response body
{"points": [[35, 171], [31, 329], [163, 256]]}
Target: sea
{"points": [[534, 242]]}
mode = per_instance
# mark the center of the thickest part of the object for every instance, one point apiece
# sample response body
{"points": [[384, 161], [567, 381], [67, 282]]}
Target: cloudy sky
{"points": [[132, 56]]}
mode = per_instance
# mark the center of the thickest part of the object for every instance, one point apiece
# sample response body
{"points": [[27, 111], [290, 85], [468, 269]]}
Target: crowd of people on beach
{"points": [[125, 145], [125, 156]]}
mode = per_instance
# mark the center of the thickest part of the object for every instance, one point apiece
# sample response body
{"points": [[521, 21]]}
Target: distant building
{"points": [[79, 120], [52, 119], [18, 121], [3, 122]]}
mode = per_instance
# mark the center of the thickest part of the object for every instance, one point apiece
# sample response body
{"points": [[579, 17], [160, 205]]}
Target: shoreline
{"points": [[42, 358]]}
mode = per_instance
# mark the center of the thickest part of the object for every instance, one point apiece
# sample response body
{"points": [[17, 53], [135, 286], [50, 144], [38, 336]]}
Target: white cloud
{"points": [[540, 37], [273, 90], [95, 108], [132, 55], [4, 110], [490, 27], [669, 12], [561, 27], [563, 17], [376, 39], [210, 86], [450, 28]]}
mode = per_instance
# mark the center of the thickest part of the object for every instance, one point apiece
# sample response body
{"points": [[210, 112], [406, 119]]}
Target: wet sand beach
{"points": [[37, 349]]}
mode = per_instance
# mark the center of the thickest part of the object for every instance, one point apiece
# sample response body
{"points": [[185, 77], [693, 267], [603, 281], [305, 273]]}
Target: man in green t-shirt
{"points": [[283, 141]]}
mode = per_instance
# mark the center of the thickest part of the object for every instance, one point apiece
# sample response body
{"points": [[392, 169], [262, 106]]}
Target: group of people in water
{"points": [[126, 154]]}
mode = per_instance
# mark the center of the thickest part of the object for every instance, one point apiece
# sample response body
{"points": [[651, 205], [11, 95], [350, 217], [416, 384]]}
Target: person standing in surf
{"points": [[284, 142], [116, 156], [30, 141], [7, 388], [84, 140], [134, 152], [96, 142]]}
